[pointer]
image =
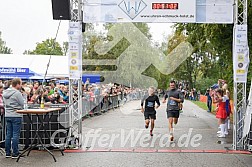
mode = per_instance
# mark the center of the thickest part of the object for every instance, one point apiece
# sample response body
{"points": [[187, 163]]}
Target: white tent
{"points": [[38, 63]]}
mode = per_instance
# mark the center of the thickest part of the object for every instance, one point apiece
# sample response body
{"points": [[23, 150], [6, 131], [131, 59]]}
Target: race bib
{"points": [[150, 104], [172, 103]]}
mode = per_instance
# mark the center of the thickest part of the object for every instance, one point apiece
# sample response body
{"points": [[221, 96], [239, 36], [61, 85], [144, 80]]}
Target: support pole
{"points": [[75, 71], [239, 87]]}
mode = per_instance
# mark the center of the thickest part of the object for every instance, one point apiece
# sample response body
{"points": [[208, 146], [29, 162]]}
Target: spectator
{"points": [[7, 84], [194, 94], [221, 113], [2, 126], [13, 101], [87, 83], [57, 99], [1, 100], [35, 86], [191, 95], [52, 87], [198, 95], [228, 107], [63, 93], [209, 100]]}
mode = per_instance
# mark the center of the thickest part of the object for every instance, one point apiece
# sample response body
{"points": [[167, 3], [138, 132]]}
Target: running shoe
{"points": [[171, 138], [151, 134]]}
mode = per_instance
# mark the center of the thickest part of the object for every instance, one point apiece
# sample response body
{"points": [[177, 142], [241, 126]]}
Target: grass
{"points": [[204, 107]]}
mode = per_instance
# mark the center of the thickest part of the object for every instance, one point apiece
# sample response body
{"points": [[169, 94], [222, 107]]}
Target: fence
{"points": [[101, 104], [60, 119], [2, 133]]}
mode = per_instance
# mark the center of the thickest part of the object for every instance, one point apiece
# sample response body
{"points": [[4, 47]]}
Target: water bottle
{"points": [[42, 103], [25, 101]]}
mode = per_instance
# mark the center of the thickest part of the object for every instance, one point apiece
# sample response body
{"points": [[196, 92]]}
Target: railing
{"points": [[2, 133], [60, 119]]}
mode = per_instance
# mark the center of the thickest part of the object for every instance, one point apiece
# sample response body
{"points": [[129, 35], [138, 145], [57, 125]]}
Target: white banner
{"points": [[139, 11], [74, 52], [179, 11], [213, 13], [240, 54], [214, 2]]}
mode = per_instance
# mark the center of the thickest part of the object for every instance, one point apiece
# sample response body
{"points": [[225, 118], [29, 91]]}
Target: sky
{"points": [[23, 23]]}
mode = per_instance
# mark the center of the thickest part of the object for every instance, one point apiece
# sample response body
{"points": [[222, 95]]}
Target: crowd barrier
{"points": [[101, 104], [2, 133], [60, 119]]}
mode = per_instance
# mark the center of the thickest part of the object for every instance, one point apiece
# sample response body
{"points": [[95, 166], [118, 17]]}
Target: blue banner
{"points": [[15, 71]]}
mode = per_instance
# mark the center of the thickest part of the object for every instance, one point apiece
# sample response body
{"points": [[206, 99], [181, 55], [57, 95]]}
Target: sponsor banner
{"points": [[14, 71], [74, 52], [162, 11], [240, 54], [139, 11]]}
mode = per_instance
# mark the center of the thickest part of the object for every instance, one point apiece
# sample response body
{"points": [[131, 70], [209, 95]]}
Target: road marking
{"points": [[159, 151]]}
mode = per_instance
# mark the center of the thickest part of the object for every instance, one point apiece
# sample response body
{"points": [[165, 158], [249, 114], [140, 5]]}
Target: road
{"points": [[118, 138]]}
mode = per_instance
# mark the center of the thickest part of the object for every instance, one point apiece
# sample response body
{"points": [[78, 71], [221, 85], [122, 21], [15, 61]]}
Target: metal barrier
{"points": [[60, 119], [101, 104], [2, 134]]}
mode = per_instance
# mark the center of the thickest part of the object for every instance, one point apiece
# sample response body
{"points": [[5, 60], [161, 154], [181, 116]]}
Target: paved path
{"points": [[129, 121]]}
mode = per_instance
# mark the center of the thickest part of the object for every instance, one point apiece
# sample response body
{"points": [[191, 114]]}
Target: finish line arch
{"points": [[240, 23]]}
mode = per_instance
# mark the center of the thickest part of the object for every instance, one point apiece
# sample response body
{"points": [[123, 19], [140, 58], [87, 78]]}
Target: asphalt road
{"points": [[134, 146]]}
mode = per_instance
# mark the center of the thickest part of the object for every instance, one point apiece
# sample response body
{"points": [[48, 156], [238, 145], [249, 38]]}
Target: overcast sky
{"points": [[23, 23]]}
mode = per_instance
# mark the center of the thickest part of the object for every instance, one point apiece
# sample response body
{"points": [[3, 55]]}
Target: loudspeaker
{"points": [[61, 9], [83, 27]]}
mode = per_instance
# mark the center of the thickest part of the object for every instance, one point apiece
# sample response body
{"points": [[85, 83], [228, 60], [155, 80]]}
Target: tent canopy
{"points": [[37, 63], [23, 73]]}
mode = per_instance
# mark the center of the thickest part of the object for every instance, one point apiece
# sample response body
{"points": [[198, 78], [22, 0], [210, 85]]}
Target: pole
{"points": [[75, 71]]}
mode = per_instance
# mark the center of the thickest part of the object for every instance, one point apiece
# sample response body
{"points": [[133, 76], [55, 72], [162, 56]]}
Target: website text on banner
{"points": [[193, 11]]}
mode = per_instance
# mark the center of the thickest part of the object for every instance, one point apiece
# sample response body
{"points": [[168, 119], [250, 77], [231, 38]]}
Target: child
{"points": [[221, 114]]}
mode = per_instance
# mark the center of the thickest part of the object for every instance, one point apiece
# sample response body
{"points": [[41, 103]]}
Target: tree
{"points": [[48, 47], [65, 48], [3, 48], [213, 48]]}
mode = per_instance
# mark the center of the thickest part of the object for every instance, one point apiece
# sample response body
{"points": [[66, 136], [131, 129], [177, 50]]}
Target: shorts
{"points": [[173, 113], [148, 115]]}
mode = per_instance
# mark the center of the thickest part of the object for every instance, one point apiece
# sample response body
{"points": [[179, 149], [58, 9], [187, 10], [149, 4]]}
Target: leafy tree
{"points": [[47, 47], [65, 48], [3, 48]]}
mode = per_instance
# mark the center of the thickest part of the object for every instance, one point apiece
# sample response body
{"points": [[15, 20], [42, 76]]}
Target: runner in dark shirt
{"points": [[148, 108], [175, 97]]}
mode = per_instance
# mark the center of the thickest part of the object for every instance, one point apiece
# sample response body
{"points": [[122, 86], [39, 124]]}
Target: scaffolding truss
{"points": [[75, 85]]}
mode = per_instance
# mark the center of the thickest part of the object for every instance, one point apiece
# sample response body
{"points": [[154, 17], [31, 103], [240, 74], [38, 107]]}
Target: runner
{"points": [[175, 97], [149, 109]]}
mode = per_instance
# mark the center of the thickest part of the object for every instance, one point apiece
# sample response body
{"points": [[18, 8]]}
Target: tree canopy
{"points": [[3, 48], [48, 47]]}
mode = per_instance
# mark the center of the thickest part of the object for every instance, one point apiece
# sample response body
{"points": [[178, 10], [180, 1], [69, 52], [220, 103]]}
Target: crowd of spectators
{"points": [[56, 93], [183, 86]]}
